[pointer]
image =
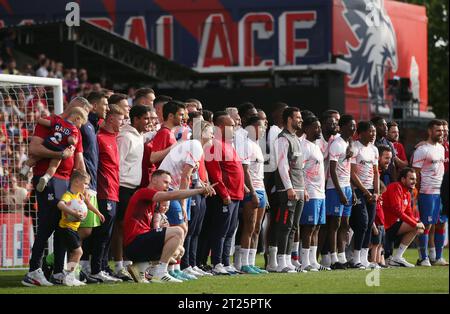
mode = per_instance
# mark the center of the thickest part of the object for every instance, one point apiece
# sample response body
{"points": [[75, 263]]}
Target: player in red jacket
{"points": [[399, 217]]}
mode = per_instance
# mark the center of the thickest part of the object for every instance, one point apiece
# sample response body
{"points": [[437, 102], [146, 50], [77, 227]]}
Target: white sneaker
{"points": [[190, 271], [105, 278], [71, 281], [271, 268], [320, 267], [289, 264], [151, 268], [399, 262], [204, 273], [309, 268], [231, 270], [36, 278], [219, 269], [424, 262], [441, 262], [285, 269], [165, 278], [296, 263], [366, 264], [373, 266], [42, 184], [57, 279], [136, 274], [123, 274]]}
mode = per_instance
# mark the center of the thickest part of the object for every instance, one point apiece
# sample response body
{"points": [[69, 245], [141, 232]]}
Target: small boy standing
{"points": [[66, 232]]}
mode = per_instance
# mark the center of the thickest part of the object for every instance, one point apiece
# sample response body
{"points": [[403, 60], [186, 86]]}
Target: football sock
{"points": [[252, 257], [401, 249], [439, 239], [313, 255], [118, 266], [244, 256], [423, 240], [334, 258]]}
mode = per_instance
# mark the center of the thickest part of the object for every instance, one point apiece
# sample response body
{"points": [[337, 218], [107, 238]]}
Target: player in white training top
{"points": [[428, 161], [314, 213]]}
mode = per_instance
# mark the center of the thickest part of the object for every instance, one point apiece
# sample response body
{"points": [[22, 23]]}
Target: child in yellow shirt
{"points": [[70, 221]]}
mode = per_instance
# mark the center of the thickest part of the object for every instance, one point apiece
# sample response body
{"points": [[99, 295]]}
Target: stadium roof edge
{"points": [[89, 46], [339, 66]]}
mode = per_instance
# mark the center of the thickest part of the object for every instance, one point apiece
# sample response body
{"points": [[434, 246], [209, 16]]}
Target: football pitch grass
{"points": [[393, 280]]}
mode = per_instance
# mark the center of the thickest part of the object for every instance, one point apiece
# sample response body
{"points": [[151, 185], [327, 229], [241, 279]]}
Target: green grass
{"points": [[393, 280]]}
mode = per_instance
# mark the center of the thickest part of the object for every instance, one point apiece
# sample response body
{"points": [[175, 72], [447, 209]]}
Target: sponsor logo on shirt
{"points": [[437, 161]]}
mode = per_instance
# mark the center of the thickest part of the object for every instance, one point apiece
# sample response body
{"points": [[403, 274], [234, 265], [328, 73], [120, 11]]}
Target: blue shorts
{"points": [[442, 217], [261, 197], [334, 205], [175, 212], [314, 212], [429, 208]]}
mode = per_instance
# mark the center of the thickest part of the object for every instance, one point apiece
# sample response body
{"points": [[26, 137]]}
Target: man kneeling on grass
{"points": [[142, 243], [399, 217]]}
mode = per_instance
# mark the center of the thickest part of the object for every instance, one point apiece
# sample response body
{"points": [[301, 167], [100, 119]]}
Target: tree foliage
{"points": [[437, 12]]}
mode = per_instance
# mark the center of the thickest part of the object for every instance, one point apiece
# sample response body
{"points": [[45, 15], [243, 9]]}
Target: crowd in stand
{"points": [[168, 190], [20, 109]]}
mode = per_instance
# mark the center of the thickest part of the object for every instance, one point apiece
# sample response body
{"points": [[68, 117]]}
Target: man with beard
{"points": [[330, 127], [289, 180], [313, 214], [390, 175], [399, 218], [393, 136], [270, 167], [428, 161], [131, 151], [224, 168]]}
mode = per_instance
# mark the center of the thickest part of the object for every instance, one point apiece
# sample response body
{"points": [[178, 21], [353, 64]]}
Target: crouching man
{"points": [[142, 243], [399, 217]]}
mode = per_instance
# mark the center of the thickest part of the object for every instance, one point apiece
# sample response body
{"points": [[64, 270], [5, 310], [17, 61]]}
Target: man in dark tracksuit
{"points": [[90, 154], [290, 187]]}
